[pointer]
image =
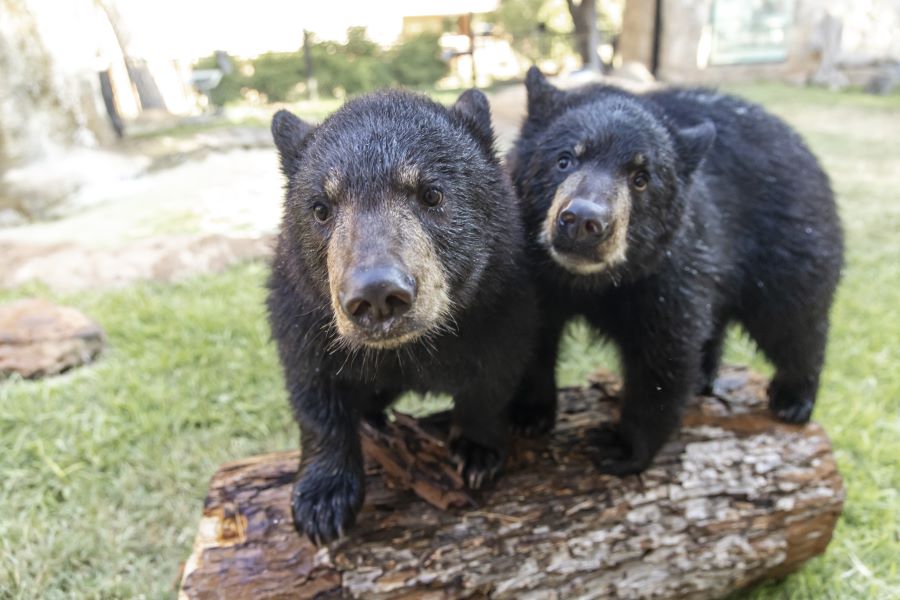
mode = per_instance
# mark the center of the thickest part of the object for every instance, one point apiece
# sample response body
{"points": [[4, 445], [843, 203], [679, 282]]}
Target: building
{"points": [[706, 41]]}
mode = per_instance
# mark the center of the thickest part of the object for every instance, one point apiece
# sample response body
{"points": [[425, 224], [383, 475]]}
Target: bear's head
{"points": [[601, 173], [394, 206]]}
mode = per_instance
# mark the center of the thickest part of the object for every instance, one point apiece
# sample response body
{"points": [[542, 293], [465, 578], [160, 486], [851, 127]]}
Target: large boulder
{"points": [[39, 338]]}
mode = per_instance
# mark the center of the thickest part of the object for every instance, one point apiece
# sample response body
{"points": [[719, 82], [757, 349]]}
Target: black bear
{"points": [[661, 218], [400, 266]]}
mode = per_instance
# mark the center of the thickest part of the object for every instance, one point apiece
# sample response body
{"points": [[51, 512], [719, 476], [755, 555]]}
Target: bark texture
{"points": [[587, 36], [735, 499]]}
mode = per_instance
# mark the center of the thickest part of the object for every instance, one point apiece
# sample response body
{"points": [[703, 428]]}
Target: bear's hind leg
{"points": [[796, 348]]}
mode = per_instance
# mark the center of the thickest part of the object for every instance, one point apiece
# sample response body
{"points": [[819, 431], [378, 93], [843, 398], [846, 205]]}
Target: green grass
{"points": [[103, 470], [191, 127]]}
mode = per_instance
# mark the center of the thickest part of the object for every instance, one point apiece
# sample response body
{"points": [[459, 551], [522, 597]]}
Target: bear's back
{"points": [[756, 155], [768, 185], [746, 134]]}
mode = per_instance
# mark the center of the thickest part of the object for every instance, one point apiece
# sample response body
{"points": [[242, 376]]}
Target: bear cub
{"points": [[661, 218], [400, 266]]}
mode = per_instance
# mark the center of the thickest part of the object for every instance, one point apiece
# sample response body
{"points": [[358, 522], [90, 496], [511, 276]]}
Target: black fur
{"points": [[738, 223], [478, 357]]}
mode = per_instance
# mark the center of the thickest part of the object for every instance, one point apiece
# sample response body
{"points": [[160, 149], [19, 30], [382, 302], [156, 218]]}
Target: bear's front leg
{"points": [[532, 412], [330, 484], [480, 432], [659, 374]]}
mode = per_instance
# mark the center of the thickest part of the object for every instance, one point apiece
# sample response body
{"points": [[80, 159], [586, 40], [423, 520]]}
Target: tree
{"points": [[140, 75], [524, 22], [540, 29], [587, 35]]}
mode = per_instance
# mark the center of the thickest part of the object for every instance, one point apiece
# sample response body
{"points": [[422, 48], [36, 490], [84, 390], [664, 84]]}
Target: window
{"points": [[750, 31]]}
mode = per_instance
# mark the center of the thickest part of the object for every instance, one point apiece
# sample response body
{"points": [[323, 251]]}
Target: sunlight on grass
{"points": [[104, 469]]}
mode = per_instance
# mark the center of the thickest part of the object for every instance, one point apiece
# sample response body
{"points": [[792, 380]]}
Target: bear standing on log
{"points": [[400, 266], [662, 218]]}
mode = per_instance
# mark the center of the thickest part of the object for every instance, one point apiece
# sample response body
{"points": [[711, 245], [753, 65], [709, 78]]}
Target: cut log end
{"points": [[736, 498]]}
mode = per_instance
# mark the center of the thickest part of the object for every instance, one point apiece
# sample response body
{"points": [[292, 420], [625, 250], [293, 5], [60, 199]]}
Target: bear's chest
{"points": [[421, 368]]}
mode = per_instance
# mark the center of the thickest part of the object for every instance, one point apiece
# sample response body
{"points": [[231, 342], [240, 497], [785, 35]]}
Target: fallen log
{"points": [[737, 498]]}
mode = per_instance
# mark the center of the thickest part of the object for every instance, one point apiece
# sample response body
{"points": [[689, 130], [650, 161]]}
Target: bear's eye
{"points": [[432, 197], [565, 162], [321, 212], [640, 180]]}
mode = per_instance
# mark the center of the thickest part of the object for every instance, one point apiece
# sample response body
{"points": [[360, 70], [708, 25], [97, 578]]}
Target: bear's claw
{"points": [[326, 506], [478, 464], [612, 455]]}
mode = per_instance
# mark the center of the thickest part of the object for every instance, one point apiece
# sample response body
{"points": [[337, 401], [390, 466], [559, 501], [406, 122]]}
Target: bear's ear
{"points": [[692, 144], [289, 131], [542, 95], [473, 107]]}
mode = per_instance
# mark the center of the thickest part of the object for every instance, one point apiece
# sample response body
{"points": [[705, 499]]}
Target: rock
{"points": [[39, 338], [634, 72], [885, 81], [827, 39]]}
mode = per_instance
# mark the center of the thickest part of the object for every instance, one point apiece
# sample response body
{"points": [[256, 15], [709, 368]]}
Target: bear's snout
{"points": [[584, 222], [586, 229], [374, 296]]}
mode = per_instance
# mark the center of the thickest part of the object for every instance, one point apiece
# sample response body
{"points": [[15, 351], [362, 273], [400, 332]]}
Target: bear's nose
{"points": [[584, 221], [376, 294]]}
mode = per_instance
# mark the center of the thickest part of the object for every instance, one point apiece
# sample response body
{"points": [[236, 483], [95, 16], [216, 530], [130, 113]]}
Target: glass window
{"points": [[750, 31]]}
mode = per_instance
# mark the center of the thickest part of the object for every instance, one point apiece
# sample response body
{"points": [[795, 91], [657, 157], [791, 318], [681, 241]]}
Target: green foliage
{"points": [[418, 61], [229, 87], [361, 66], [228, 90], [520, 19], [275, 75], [358, 45], [207, 62], [537, 29], [354, 67], [543, 29], [349, 68]]}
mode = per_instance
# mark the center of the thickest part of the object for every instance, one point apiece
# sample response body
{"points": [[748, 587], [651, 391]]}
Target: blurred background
{"points": [[139, 185], [114, 110]]}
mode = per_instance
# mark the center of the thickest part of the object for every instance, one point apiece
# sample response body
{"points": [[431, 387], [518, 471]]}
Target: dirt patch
{"points": [[70, 266]]}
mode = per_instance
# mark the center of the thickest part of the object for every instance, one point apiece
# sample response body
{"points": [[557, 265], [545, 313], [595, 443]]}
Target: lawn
{"points": [[103, 470]]}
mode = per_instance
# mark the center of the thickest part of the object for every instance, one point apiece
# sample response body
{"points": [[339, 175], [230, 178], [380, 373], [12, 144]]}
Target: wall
{"points": [[869, 35]]}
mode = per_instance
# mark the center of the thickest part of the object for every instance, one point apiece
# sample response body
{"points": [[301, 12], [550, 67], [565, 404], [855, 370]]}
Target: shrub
{"points": [[354, 67], [228, 90], [418, 62], [275, 75], [350, 68]]}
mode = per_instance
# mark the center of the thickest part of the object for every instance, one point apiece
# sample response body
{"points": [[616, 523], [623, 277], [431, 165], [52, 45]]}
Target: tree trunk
{"points": [[587, 36], [735, 499], [312, 86], [138, 72]]}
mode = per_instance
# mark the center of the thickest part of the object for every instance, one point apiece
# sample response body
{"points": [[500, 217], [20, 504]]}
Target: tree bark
{"points": [[735, 499], [587, 36], [138, 72]]}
